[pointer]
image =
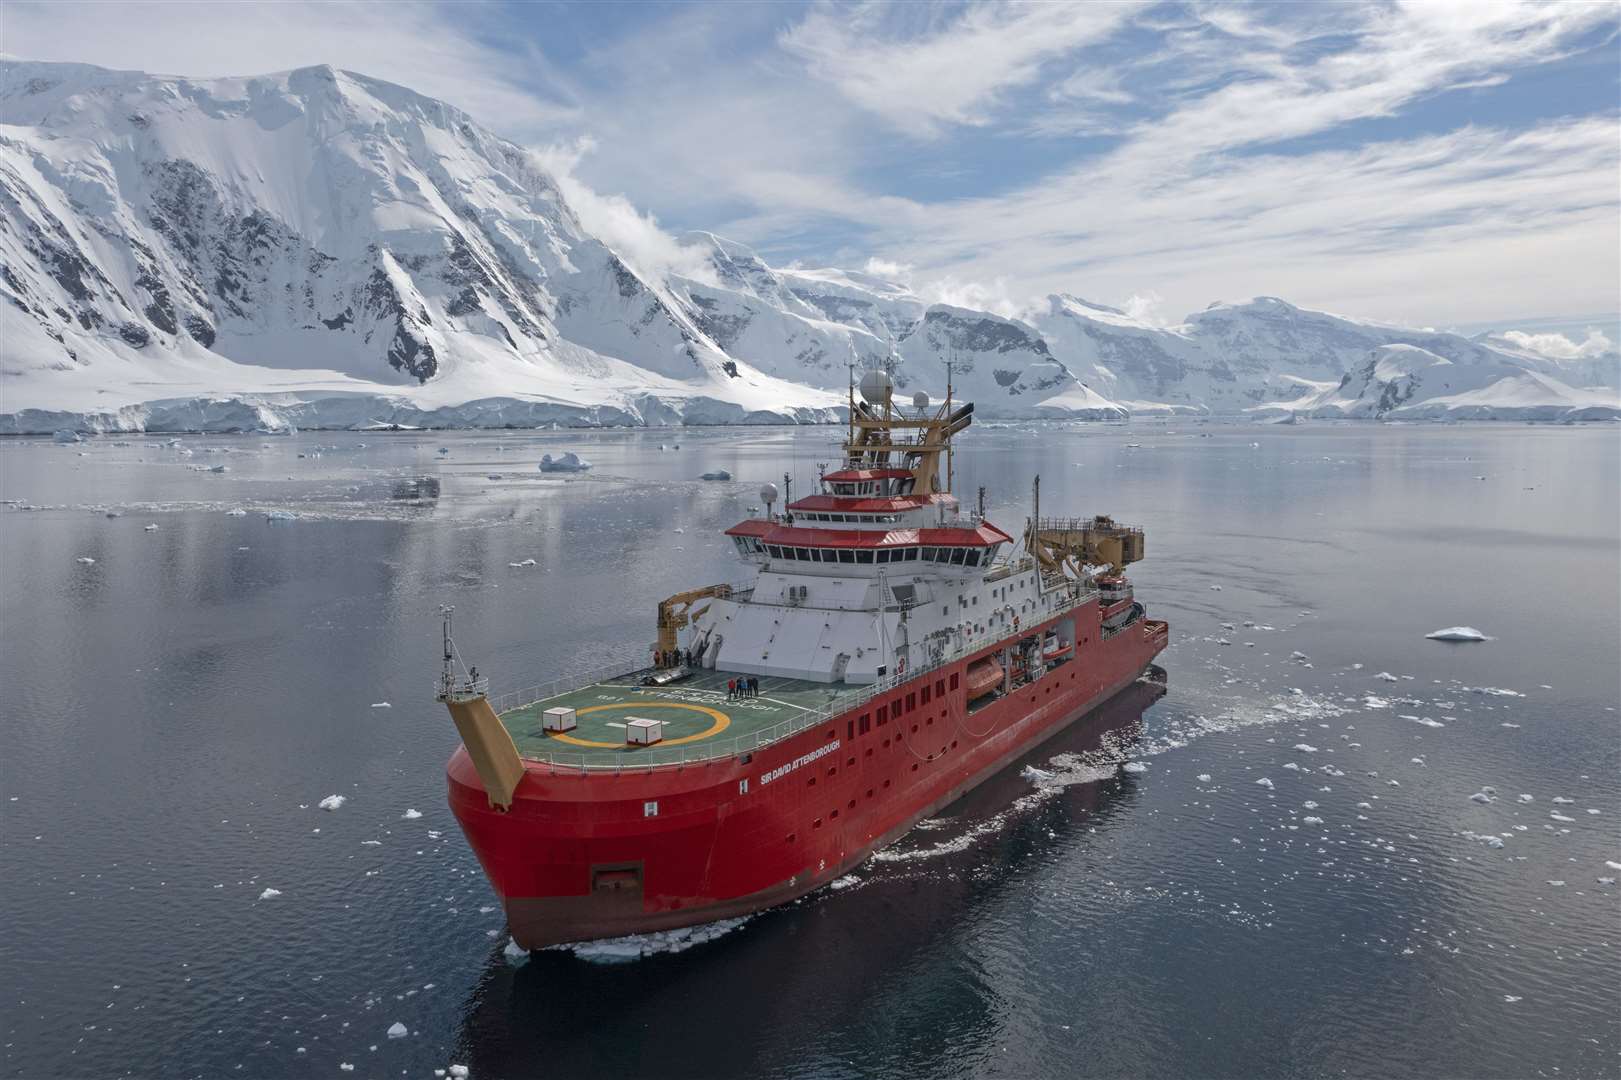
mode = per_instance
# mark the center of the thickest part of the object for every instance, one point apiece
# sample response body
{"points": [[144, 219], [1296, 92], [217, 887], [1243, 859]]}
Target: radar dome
{"points": [[920, 401], [876, 387], [768, 494]]}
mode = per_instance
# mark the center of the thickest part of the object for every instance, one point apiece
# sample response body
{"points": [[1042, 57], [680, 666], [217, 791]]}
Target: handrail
{"points": [[704, 753]]}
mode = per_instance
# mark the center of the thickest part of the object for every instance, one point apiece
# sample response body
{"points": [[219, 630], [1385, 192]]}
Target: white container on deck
{"points": [[559, 718], [640, 731]]}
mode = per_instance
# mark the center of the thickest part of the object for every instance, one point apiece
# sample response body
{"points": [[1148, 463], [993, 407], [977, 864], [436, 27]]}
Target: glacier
{"points": [[322, 249]]}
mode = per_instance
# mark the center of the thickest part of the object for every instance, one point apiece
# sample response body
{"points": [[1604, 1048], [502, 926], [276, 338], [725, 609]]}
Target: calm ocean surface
{"points": [[174, 712]]}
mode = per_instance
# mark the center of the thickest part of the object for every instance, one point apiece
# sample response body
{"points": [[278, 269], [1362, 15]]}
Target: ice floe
{"points": [[1457, 633], [1203, 778], [85, 560], [1386, 676], [333, 802], [396, 1030], [382, 705], [411, 815], [569, 462], [716, 474], [1135, 767], [515, 953], [270, 894], [1264, 782]]}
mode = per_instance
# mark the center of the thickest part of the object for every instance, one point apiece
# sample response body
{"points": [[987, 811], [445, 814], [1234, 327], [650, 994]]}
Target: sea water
{"points": [[182, 895]]}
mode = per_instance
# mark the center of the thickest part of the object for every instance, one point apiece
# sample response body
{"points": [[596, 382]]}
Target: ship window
{"points": [[865, 724], [847, 556], [864, 556], [883, 713], [925, 695], [911, 701], [973, 558], [817, 824], [776, 552], [954, 680], [957, 557], [911, 554], [849, 729], [895, 707], [883, 555], [928, 554]]}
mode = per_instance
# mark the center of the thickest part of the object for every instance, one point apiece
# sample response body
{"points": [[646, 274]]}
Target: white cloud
{"points": [[1561, 347], [941, 73], [635, 235]]}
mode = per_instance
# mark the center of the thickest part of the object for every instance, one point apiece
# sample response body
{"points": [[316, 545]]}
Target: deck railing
{"points": [[701, 753]]}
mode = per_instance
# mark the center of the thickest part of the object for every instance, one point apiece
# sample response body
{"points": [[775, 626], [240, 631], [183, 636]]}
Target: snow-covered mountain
{"points": [[324, 249], [320, 233]]}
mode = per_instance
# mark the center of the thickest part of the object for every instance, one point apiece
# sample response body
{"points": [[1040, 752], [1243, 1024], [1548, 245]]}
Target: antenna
{"points": [[951, 363], [787, 497], [447, 675], [981, 502]]}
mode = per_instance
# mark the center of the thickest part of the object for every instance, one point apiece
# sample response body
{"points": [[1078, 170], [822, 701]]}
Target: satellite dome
{"points": [[876, 387], [768, 494], [920, 401]]}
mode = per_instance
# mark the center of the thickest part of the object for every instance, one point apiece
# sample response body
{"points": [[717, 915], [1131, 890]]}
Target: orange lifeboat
{"points": [[984, 676]]}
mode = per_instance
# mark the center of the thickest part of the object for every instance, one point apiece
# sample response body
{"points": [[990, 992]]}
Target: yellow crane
{"points": [[678, 611]]}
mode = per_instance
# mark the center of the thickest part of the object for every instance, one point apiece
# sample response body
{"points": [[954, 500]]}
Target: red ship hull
{"points": [[577, 856]]}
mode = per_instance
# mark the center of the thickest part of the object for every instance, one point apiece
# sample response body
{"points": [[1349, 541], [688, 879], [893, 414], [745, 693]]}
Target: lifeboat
{"points": [[984, 676]]}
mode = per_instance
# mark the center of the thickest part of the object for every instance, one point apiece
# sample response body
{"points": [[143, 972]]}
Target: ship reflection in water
{"points": [[898, 942]]}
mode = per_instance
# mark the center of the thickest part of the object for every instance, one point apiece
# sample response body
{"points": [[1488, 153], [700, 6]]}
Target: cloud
{"points": [[433, 49], [634, 235], [921, 79], [1561, 347]]}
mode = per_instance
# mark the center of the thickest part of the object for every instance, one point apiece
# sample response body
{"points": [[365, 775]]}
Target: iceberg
{"points": [[716, 474], [1457, 633], [569, 462]]}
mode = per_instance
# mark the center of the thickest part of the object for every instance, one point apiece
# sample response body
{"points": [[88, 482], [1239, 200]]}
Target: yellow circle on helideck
{"points": [[722, 722]]}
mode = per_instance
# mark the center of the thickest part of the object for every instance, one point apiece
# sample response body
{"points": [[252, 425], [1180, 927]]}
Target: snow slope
{"points": [[318, 248], [1404, 381], [320, 232]]}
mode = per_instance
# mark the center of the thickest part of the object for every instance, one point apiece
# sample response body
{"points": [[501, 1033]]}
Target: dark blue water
{"points": [[174, 712]]}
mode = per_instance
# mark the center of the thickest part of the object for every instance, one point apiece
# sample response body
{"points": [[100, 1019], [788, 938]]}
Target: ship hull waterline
{"points": [[577, 857]]}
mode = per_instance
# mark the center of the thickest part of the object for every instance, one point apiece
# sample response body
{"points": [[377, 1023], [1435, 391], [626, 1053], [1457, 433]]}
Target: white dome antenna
{"points": [[876, 387], [768, 495], [920, 401]]}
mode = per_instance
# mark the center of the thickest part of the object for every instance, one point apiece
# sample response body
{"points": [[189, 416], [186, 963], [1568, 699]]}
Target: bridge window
{"points": [[911, 554], [883, 555], [928, 554], [957, 557], [864, 556], [846, 555], [776, 552]]}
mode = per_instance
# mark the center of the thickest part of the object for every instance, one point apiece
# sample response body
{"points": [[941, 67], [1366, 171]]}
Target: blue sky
{"points": [[1436, 163]]}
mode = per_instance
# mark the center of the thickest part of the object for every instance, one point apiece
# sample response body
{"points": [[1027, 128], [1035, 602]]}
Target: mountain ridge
{"points": [[318, 248]]}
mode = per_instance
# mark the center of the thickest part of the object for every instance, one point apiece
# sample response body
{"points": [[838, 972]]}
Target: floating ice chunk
{"points": [[281, 515], [333, 802], [1606, 881], [1372, 702], [1526, 798], [1480, 797], [1203, 778], [1135, 767], [396, 1030], [1298, 655], [345, 1066], [569, 462], [1562, 801], [523, 563], [459, 1072], [1560, 817], [1035, 775], [411, 815], [1215, 588], [1427, 721], [85, 560], [1311, 821], [238, 512], [1264, 782], [1457, 633], [1592, 811], [66, 437], [150, 528], [1386, 676], [1511, 998], [716, 474], [1305, 748], [515, 953], [1494, 691], [1309, 804], [1612, 864], [1556, 882], [270, 894], [381, 705]]}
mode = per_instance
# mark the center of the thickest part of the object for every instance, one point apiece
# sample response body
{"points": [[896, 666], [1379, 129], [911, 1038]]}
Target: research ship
{"points": [[890, 653]]}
